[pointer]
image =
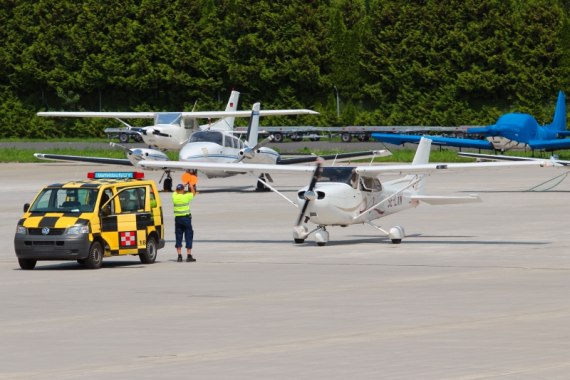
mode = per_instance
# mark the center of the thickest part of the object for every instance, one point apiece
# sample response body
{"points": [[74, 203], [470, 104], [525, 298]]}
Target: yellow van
{"points": [[109, 214]]}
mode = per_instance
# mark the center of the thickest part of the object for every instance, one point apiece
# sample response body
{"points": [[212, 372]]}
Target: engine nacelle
{"points": [[247, 153], [138, 154]]}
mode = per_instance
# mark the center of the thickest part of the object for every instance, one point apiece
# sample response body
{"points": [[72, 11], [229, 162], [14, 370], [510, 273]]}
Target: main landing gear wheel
{"points": [[300, 234], [322, 237], [396, 234], [260, 185]]}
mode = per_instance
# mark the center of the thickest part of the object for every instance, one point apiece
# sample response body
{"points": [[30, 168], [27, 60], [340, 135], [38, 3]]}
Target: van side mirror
{"points": [[26, 207]]}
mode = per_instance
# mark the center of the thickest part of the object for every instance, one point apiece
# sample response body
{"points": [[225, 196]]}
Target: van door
{"points": [[125, 229]]}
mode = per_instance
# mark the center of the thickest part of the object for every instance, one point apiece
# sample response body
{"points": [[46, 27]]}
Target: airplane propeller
{"points": [[250, 152], [310, 195]]}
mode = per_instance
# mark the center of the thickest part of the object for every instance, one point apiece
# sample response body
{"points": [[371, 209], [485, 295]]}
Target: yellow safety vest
{"points": [[181, 203]]}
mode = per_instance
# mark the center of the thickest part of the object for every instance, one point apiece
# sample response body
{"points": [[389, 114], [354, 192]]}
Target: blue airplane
{"points": [[517, 128]]}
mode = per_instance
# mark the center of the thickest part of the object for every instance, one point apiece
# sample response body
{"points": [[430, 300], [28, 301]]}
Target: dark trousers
{"points": [[183, 227]]}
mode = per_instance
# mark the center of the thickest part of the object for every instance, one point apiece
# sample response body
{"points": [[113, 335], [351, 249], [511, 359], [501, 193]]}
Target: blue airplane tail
{"points": [[559, 119]]}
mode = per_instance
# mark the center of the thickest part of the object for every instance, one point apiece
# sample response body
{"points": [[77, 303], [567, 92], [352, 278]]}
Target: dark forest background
{"points": [[391, 62]]}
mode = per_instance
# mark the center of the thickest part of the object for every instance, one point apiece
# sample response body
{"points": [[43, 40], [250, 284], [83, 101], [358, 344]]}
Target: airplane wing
{"points": [[500, 157], [95, 160], [372, 171], [397, 139], [195, 115], [105, 115], [228, 167], [368, 171]]}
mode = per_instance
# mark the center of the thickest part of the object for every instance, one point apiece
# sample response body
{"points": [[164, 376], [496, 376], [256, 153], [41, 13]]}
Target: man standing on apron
{"points": [[183, 220]]}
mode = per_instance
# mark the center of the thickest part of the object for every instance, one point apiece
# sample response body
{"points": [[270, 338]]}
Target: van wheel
{"points": [[27, 264], [95, 258], [149, 255]]}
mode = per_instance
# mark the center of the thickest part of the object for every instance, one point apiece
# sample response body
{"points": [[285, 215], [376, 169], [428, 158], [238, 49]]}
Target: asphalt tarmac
{"points": [[476, 291]]}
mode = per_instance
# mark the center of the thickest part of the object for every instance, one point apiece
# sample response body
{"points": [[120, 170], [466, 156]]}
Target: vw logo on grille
{"points": [[45, 231]]}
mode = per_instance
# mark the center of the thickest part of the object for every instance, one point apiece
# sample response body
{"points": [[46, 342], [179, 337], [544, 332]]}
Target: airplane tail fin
{"points": [[253, 127], [423, 151], [421, 157], [559, 119], [227, 123]]}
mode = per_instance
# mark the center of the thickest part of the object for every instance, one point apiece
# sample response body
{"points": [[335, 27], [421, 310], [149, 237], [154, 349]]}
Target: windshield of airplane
{"points": [[168, 118], [65, 200], [338, 174], [208, 136]]}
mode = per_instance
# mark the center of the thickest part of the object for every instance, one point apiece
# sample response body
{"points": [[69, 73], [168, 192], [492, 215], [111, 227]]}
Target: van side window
{"points": [[108, 194], [132, 200]]}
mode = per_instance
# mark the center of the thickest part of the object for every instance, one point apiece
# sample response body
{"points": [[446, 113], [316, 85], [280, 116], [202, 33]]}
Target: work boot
{"points": [[190, 259], [179, 258]]}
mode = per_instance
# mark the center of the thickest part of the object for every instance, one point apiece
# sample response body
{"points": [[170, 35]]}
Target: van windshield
{"points": [[59, 199]]}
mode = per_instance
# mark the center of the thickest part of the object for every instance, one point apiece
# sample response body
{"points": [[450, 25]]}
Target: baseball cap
{"points": [[179, 187]]}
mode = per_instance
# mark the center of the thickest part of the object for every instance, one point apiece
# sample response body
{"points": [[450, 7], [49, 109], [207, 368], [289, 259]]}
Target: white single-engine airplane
{"points": [[216, 146], [342, 196], [172, 130]]}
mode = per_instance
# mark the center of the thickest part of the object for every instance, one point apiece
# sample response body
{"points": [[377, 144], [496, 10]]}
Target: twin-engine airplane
{"points": [[172, 130], [216, 146], [512, 130], [342, 196]]}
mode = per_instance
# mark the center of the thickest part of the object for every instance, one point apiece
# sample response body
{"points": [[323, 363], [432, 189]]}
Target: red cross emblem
{"points": [[128, 239]]}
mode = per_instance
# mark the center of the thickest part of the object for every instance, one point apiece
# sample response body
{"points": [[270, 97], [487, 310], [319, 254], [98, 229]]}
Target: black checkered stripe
{"points": [[56, 222]]}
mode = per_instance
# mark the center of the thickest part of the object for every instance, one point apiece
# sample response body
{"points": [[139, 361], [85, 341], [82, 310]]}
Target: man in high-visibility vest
{"points": [[183, 220]]}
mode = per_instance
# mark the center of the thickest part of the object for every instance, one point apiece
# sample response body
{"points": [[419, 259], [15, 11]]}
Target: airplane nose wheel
{"points": [[167, 184]]}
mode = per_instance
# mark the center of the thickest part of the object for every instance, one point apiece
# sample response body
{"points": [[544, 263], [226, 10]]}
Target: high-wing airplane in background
{"points": [[216, 146], [171, 130], [342, 196], [511, 130]]}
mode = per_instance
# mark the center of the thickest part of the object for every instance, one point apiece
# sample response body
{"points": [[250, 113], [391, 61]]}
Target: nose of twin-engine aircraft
{"points": [[200, 151]]}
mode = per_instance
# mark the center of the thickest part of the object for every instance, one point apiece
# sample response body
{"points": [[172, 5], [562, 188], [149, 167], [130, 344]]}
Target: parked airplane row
{"points": [[336, 195], [212, 143]]}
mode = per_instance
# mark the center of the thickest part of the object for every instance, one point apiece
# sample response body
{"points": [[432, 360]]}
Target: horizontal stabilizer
{"points": [[446, 200]]}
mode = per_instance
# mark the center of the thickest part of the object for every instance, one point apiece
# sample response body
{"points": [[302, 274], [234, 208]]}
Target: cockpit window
{"points": [[65, 200], [208, 136], [337, 174], [168, 118], [370, 184]]}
